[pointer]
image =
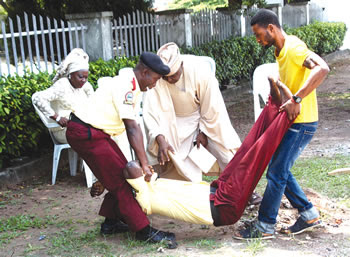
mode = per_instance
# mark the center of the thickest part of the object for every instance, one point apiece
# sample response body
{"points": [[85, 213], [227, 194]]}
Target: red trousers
{"points": [[107, 162], [240, 177]]}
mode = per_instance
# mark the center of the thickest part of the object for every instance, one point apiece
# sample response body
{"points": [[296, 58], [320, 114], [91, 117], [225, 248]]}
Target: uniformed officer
{"points": [[109, 112]]}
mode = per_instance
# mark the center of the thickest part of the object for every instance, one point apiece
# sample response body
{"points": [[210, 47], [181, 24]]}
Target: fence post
{"points": [[238, 27], [98, 33], [296, 14], [181, 27], [276, 8]]}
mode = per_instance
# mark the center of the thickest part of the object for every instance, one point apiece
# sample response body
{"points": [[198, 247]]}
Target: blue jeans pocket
{"points": [[309, 132]]}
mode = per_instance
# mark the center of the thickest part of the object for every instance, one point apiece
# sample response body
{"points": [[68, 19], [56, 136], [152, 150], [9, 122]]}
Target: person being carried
{"points": [[109, 112], [222, 202]]}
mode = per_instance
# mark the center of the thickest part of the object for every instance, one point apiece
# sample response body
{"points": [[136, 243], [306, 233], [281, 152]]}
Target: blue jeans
{"points": [[281, 181]]}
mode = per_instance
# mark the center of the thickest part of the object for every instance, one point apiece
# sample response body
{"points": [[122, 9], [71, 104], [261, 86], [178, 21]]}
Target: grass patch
{"points": [[30, 248], [341, 100], [313, 173], [15, 226], [206, 244], [6, 237], [255, 246], [132, 247], [70, 243], [25, 222], [9, 198]]}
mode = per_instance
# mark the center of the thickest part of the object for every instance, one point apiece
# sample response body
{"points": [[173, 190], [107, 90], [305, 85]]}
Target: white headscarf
{"points": [[170, 55], [76, 60]]}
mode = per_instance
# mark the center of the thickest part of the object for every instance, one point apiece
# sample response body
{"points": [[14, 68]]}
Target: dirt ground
{"points": [[69, 198]]}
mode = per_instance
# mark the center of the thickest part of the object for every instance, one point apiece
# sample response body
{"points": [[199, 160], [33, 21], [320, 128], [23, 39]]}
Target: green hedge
{"points": [[236, 58], [321, 37], [20, 127], [102, 68]]}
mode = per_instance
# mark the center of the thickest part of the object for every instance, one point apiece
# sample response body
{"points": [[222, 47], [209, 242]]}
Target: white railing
{"points": [[138, 32], [39, 46], [209, 25]]}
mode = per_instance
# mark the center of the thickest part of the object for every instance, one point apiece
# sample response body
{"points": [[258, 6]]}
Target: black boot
{"points": [[113, 226], [152, 235]]}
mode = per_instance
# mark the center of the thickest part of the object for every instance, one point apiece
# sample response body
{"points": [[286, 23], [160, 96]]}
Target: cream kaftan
{"points": [[179, 110]]}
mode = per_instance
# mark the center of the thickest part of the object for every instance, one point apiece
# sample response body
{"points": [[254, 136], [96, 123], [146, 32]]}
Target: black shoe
{"points": [[255, 199], [300, 226], [152, 235], [112, 226]]}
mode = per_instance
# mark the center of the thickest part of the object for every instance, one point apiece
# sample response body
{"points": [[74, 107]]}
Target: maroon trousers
{"points": [[107, 162], [240, 177]]}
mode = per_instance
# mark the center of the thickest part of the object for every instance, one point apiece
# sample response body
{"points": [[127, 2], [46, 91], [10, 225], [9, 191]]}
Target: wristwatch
{"points": [[296, 99], [58, 118]]}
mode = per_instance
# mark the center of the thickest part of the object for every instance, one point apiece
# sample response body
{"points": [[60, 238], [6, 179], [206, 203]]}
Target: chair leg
{"points": [[56, 159], [73, 161], [90, 178], [81, 164]]}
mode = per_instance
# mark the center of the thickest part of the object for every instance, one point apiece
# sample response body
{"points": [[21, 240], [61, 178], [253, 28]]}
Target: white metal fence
{"points": [[209, 25], [38, 46], [138, 32]]}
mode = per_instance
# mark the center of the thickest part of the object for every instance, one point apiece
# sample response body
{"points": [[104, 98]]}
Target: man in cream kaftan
{"points": [[177, 113]]}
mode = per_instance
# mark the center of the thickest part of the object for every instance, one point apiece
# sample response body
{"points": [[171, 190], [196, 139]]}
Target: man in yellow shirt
{"points": [[302, 71], [109, 112]]}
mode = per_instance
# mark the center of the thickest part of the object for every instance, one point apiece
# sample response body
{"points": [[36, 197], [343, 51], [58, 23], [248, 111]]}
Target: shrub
{"points": [[237, 57], [20, 127], [109, 68], [321, 37]]}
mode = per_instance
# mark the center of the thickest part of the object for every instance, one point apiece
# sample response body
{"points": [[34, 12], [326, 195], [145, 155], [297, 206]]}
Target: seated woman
{"points": [[70, 86], [223, 201]]}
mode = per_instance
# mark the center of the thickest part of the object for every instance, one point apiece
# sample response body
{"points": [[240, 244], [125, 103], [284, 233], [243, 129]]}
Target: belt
{"points": [[75, 119], [215, 214]]}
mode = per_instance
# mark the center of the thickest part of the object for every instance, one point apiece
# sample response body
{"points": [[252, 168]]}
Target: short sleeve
{"points": [[124, 99], [300, 52]]}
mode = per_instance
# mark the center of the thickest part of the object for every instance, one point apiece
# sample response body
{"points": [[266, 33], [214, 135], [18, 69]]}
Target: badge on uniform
{"points": [[129, 97]]}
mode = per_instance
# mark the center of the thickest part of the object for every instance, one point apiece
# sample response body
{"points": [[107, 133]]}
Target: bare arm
{"points": [[135, 137], [319, 70], [163, 148]]}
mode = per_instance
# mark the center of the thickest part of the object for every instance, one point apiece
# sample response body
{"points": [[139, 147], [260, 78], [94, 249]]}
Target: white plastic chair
{"points": [[261, 86], [58, 147], [209, 61]]}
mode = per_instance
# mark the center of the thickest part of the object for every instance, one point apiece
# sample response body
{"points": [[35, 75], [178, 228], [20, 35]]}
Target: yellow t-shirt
{"points": [[294, 74], [111, 103], [181, 200]]}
